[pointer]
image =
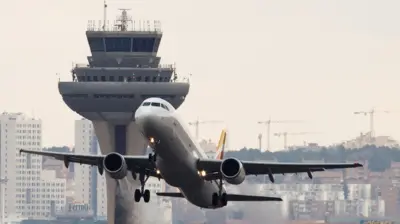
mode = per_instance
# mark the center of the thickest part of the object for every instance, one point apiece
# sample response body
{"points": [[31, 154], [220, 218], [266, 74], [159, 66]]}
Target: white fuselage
{"points": [[177, 154]]}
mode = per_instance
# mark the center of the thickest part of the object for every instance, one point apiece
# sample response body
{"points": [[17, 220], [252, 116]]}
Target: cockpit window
{"points": [[165, 107], [155, 104]]}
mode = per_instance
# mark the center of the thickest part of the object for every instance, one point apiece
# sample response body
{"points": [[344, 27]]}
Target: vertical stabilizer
{"points": [[221, 146]]}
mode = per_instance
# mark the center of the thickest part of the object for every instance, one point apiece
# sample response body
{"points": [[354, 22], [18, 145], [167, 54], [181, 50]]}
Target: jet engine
{"points": [[115, 165], [232, 171]]}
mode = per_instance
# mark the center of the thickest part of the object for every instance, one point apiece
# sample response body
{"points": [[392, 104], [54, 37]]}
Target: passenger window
{"points": [[155, 104], [103, 78], [154, 79], [129, 79], [95, 78], [120, 78], [111, 78], [146, 104], [139, 78], [146, 79], [89, 78]]}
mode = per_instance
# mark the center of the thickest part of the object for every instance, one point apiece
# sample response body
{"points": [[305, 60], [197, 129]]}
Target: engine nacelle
{"points": [[232, 171], [115, 165]]}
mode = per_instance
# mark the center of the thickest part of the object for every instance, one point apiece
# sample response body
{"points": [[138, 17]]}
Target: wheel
{"points": [[215, 199], [155, 157], [138, 195], [224, 199], [146, 196]]}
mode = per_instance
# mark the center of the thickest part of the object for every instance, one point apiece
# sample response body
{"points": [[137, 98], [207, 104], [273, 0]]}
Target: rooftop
{"points": [[160, 66], [18, 116]]}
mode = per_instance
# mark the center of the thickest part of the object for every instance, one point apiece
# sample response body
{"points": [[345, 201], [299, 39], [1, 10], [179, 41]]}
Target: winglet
{"points": [[221, 145]]}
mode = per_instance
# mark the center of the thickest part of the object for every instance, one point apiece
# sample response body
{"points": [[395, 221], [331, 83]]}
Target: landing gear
{"points": [[224, 199], [219, 198], [138, 195], [146, 196], [152, 157], [142, 192]]}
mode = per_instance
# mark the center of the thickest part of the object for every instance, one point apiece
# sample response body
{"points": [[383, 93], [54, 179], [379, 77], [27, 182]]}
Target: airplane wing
{"points": [[133, 162], [212, 167]]}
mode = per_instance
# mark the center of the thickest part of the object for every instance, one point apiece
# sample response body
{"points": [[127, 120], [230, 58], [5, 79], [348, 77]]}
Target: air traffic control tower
{"points": [[123, 70]]}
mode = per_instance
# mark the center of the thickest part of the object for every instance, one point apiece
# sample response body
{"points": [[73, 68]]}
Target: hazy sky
{"points": [[311, 60]]}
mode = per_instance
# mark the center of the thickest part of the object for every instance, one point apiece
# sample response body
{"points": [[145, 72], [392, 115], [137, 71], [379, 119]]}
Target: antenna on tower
{"points": [[175, 78], [105, 16], [124, 19]]}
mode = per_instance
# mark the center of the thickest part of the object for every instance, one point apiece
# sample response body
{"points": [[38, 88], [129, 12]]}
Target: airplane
{"points": [[178, 158]]}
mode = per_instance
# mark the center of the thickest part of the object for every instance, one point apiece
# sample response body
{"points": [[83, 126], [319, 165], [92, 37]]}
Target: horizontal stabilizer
{"points": [[240, 197], [170, 194]]}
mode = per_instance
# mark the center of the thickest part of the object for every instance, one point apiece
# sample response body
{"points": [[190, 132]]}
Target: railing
{"points": [[81, 65], [116, 26], [160, 66], [175, 78], [178, 79]]}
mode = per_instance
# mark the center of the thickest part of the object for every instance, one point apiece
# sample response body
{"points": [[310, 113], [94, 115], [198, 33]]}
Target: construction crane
{"points": [[285, 134], [371, 114], [268, 124], [197, 124]]}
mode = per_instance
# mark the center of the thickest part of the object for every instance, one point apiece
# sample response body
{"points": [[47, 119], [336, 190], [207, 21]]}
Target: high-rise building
{"points": [[28, 190], [154, 185], [209, 148], [90, 187], [158, 205]]}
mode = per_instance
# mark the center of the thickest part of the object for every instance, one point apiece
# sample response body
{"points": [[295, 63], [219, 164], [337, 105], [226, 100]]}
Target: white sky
{"points": [[311, 60]]}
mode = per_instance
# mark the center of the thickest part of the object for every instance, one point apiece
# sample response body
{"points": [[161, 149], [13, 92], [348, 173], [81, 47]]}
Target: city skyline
{"points": [[29, 190], [313, 61]]}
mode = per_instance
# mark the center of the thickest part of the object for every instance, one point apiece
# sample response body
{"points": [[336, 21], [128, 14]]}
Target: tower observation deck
{"points": [[122, 71]]}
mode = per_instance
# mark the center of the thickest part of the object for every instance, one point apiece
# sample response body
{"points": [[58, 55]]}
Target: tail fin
{"points": [[221, 146]]}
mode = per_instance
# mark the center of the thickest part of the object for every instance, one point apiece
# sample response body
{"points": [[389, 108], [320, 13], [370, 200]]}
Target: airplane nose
{"points": [[139, 113], [145, 118], [142, 112]]}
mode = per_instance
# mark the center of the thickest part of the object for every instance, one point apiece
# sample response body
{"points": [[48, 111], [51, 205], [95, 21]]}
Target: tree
{"points": [[379, 158], [379, 161]]}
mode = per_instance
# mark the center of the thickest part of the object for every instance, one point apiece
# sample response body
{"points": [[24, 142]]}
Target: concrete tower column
{"points": [[126, 140]]}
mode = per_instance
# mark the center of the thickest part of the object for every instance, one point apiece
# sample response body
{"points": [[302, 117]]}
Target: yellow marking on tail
{"points": [[221, 145]]}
